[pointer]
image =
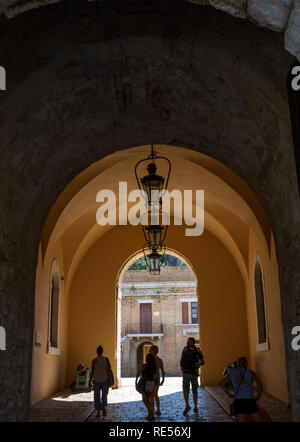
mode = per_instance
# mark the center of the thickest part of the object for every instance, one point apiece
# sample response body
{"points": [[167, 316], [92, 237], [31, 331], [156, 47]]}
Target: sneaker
{"points": [[196, 410], [104, 411], [186, 410]]}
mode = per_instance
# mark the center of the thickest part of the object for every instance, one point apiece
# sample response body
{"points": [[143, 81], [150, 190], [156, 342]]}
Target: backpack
{"points": [[198, 359], [140, 386]]}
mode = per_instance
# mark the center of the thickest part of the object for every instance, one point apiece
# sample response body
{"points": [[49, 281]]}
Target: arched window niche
{"points": [[54, 302], [260, 306]]}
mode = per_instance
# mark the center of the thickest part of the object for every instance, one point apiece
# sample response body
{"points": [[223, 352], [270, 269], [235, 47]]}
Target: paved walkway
{"points": [[277, 409], [125, 405]]}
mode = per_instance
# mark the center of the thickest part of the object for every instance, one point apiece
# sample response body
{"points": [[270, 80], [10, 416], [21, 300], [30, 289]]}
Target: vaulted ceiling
{"points": [[280, 15]]}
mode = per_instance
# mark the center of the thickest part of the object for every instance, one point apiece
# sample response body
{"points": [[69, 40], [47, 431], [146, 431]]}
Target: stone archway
{"points": [[281, 17], [236, 228], [103, 91]]}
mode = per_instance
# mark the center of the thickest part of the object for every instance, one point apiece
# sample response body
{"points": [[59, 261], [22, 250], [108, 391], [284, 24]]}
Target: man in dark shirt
{"points": [[191, 360]]}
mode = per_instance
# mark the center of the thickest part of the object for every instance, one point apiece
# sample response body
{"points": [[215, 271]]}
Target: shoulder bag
{"points": [[232, 410], [140, 386], [110, 375]]}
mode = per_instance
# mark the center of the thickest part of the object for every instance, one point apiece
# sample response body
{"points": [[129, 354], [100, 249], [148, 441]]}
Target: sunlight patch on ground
{"points": [[127, 393]]}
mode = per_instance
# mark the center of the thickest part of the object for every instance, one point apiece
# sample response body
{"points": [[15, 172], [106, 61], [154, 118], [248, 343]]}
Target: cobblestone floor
{"points": [[125, 405], [65, 406], [277, 409]]}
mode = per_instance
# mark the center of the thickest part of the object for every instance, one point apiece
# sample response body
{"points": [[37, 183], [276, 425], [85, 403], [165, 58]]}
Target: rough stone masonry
{"points": [[279, 15]]}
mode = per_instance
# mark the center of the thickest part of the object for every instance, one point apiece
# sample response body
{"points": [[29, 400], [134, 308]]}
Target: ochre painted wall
{"points": [[226, 309], [48, 370], [92, 298], [269, 365]]}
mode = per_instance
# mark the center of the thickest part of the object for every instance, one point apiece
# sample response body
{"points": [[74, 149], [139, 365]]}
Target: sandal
{"points": [[186, 410]]}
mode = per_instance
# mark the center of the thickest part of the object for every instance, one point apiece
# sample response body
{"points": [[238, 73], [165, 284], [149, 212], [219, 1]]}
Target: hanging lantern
{"points": [[154, 234], [152, 183], [154, 186], [154, 260]]}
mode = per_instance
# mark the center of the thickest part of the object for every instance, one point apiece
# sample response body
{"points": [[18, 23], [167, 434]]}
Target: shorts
{"points": [[149, 386], [245, 406], [188, 379]]}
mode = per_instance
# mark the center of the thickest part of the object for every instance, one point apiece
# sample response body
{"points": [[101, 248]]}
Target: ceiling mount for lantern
{"points": [[152, 184]]}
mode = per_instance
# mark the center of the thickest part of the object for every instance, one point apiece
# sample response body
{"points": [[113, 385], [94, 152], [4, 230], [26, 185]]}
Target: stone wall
{"points": [[278, 15], [166, 309], [166, 274]]}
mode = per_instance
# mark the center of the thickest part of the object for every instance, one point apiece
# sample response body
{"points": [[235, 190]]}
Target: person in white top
{"points": [[100, 374]]}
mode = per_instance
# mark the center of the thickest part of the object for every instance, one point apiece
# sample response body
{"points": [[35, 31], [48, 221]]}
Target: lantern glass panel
{"points": [[152, 182], [154, 261], [154, 235]]}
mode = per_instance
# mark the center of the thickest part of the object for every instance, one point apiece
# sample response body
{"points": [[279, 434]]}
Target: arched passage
{"points": [[236, 228], [183, 88]]}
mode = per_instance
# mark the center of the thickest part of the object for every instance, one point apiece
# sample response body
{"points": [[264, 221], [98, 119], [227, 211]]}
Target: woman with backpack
{"points": [[102, 378]]}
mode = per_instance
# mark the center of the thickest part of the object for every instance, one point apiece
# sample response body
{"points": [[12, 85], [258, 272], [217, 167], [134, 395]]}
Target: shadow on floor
{"points": [[172, 406], [125, 405]]}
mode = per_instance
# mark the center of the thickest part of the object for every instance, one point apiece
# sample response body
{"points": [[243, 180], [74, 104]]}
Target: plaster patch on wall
{"points": [[2, 338], [292, 34], [233, 7], [14, 7], [269, 13]]}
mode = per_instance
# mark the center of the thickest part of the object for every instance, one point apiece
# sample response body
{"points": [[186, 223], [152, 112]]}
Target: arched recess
{"points": [[54, 309], [260, 305]]}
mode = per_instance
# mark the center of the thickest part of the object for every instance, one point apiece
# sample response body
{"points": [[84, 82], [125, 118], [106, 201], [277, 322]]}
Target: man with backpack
{"points": [[191, 359]]}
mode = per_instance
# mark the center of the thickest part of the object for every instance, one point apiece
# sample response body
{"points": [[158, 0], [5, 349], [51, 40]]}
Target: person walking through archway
{"points": [[102, 377], [157, 382], [191, 359], [148, 373], [244, 405]]}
